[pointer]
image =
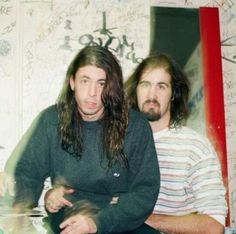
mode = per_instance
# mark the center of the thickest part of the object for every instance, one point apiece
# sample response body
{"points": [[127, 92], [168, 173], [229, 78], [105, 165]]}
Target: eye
{"points": [[161, 86], [144, 84], [84, 81], [102, 83]]}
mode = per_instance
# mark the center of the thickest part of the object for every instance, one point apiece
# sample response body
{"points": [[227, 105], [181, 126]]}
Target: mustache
{"points": [[154, 101]]}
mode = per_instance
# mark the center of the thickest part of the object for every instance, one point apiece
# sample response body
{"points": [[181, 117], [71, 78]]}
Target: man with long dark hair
{"points": [[100, 157], [192, 194]]}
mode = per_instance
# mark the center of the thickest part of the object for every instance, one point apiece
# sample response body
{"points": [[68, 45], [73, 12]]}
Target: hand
{"points": [[54, 198], [7, 184], [78, 224], [151, 220]]}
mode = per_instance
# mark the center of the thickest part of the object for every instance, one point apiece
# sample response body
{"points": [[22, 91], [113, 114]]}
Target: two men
{"points": [[192, 195]]}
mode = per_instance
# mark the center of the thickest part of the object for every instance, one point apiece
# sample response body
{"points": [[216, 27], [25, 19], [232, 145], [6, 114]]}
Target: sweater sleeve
{"points": [[29, 164], [134, 206], [207, 183]]}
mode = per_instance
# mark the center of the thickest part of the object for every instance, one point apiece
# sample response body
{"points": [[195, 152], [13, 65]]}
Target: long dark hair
{"points": [[115, 116], [179, 84]]}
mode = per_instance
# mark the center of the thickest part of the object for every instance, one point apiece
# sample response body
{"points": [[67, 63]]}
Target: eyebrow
{"points": [[87, 77], [164, 83], [159, 83], [83, 76]]}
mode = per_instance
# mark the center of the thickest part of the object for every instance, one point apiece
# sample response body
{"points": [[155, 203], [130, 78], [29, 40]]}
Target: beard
{"points": [[151, 114]]}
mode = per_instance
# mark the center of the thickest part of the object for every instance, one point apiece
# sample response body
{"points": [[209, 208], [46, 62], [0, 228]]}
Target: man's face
{"points": [[88, 85], [154, 94]]}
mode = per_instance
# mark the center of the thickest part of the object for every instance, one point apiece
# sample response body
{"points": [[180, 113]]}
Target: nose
{"points": [[92, 90], [152, 93]]}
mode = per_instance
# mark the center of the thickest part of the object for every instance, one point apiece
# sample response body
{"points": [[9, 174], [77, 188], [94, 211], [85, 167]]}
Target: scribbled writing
{"points": [[5, 10], [5, 47], [56, 21], [196, 99], [229, 42], [49, 2], [8, 28], [224, 5], [187, 2], [29, 59], [121, 46]]}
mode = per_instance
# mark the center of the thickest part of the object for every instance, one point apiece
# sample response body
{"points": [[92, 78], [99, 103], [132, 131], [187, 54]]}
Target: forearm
{"points": [[125, 214], [187, 224]]}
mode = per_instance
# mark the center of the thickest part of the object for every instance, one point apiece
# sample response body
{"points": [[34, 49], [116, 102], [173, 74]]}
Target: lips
{"points": [[91, 105], [154, 104]]}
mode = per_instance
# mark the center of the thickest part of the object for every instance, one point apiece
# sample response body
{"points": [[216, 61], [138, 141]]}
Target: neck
{"points": [[159, 125]]}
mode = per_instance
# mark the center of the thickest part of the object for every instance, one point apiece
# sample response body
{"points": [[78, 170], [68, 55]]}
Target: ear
{"points": [[72, 83]]}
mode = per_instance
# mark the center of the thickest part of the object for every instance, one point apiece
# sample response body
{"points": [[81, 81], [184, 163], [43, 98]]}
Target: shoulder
{"points": [[137, 118], [48, 116], [138, 126], [194, 142], [188, 133], [49, 111]]}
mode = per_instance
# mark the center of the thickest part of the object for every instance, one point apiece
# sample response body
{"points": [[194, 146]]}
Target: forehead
{"points": [[156, 75], [91, 72]]}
